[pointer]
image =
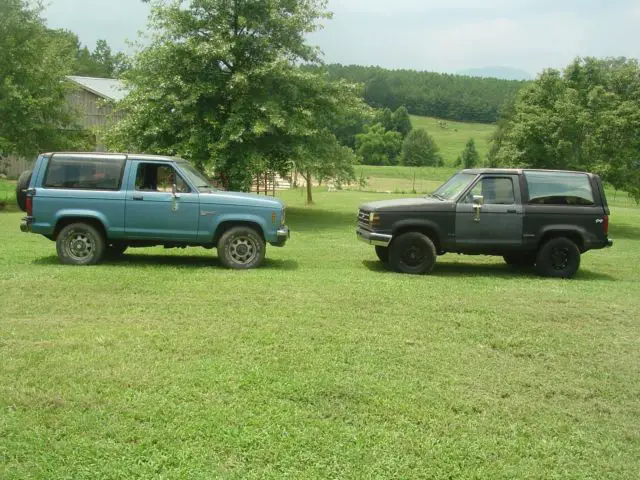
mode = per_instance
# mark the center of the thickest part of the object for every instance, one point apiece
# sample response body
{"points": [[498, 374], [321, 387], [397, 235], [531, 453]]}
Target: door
{"points": [[489, 215], [155, 210]]}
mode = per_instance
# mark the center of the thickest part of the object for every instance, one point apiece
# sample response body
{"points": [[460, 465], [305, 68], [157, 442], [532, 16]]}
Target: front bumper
{"points": [[378, 239], [282, 235], [25, 226]]}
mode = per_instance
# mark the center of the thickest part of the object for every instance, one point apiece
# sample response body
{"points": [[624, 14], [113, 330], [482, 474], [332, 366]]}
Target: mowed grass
{"points": [[321, 364], [452, 137]]}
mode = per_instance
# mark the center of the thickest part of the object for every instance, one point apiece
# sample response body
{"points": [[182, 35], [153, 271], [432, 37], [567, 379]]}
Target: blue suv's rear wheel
{"points": [[80, 244]]}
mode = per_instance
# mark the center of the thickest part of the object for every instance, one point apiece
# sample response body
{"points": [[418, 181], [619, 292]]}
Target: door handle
{"points": [[477, 209], [138, 197]]}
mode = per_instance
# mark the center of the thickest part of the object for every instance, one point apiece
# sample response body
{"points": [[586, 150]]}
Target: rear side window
{"points": [[554, 188], [86, 173]]}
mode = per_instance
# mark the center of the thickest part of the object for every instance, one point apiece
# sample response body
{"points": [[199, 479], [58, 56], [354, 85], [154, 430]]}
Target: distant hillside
{"points": [[504, 73], [451, 137], [447, 96]]}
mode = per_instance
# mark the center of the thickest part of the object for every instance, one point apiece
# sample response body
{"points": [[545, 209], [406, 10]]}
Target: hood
{"points": [[241, 199], [407, 204]]}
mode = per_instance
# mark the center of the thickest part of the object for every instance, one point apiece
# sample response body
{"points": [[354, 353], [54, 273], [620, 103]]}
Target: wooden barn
{"points": [[94, 100]]}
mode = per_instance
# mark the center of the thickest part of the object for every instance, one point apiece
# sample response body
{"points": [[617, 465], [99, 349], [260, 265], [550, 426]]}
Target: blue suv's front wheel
{"points": [[241, 248]]}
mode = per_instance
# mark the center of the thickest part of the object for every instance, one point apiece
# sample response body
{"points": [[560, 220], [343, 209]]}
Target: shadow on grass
{"points": [[444, 269], [178, 261], [310, 219], [629, 232]]}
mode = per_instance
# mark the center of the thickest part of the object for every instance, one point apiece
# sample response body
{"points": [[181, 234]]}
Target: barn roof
{"points": [[107, 88]]}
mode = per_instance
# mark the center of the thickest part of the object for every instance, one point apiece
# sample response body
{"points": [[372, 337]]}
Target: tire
{"points": [[241, 248], [520, 260], [80, 244], [115, 250], [23, 183], [559, 257], [382, 253], [412, 252]]}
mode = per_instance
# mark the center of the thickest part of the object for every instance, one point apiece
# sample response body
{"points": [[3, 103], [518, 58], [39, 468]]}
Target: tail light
{"points": [[29, 205], [605, 225]]}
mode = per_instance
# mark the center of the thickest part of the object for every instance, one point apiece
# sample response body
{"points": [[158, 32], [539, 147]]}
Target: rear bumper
{"points": [[282, 235], [25, 226], [378, 239]]}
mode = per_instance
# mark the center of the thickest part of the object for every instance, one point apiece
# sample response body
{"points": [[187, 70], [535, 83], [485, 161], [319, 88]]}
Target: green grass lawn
{"points": [[322, 364], [452, 139]]}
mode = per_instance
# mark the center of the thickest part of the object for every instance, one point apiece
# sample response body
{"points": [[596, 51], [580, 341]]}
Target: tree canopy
{"points": [[34, 115], [470, 157], [452, 97], [219, 84], [584, 118], [419, 149]]}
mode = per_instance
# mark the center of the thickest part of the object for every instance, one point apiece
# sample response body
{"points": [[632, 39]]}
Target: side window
{"points": [[159, 178], [495, 190], [86, 173], [559, 188]]}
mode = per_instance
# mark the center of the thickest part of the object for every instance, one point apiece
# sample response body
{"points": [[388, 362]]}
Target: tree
{"points": [[401, 121], [584, 118], [469, 157], [385, 118], [34, 115], [220, 85], [419, 149], [378, 147]]}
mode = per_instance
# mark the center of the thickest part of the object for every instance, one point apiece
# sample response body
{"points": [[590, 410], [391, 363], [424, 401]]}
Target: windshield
{"points": [[454, 186], [195, 177]]}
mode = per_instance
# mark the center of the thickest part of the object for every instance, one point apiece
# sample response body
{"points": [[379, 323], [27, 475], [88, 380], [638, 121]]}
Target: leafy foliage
{"points": [[470, 156], [377, 146], [34, 115], [585, 118], [219, 85], [453, 97], [401, 122], [419, 149]]}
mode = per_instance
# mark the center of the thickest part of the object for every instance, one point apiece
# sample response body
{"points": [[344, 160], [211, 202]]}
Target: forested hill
{"points": [[454, 97]]}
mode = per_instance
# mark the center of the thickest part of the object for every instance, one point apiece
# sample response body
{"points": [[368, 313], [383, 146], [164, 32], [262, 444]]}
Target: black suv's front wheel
{"points": [[558, 257], [412, 252]]}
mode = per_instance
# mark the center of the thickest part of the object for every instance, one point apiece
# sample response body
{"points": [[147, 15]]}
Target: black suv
{"points": [[545, 218]]}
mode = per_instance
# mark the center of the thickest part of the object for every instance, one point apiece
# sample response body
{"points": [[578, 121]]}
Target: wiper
{"points": [[438, 196]]}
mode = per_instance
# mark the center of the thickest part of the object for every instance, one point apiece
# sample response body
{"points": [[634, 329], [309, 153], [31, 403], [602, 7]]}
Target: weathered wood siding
{"points": [[94, 114], [13, 166]]}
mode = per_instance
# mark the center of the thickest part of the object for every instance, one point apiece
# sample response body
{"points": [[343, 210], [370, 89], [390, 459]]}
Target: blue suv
{"points": [[95, 205]]}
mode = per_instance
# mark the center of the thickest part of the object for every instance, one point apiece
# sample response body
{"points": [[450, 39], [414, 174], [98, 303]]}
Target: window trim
{"points": [[594, 199], [160, 164], [87, 157], [484, 176]]}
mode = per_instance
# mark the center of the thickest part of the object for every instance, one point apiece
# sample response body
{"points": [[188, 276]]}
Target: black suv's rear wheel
{"points": [[520, 259], [382, 253], [80, 244], [241, 248], [23, 183], [412, 252], [559, 257]]}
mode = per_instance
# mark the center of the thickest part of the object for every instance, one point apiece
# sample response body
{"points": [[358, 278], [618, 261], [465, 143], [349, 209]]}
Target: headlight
{"points": [[374, 218]]}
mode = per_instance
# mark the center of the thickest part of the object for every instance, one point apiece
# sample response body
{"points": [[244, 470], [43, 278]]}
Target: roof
{"points": [[107, 88], [513, 171], [120, 156]]}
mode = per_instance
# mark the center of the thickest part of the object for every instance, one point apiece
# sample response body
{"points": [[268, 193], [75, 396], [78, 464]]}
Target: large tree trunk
{"points": [[309, 191]]}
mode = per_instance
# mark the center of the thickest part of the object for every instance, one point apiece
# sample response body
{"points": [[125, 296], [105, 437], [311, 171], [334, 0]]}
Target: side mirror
{"points": [[478, 200]]}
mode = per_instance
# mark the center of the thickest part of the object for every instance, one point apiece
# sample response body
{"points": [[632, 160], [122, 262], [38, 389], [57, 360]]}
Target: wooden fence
{"points": [[13, 166]]}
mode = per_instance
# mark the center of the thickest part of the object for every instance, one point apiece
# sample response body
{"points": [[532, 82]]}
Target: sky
{"points": [[435, 35]]}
